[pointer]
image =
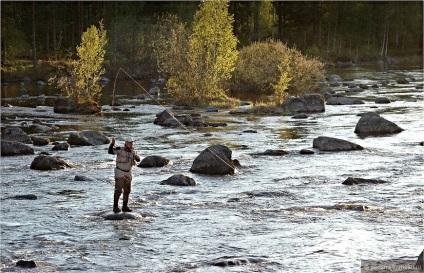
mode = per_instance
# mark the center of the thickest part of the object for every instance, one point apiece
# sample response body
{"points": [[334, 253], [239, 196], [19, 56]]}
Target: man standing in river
{"points": [[125, 160]]}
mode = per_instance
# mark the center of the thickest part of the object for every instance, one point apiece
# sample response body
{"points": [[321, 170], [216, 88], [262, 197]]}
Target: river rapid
{"points": [[275, 214]]}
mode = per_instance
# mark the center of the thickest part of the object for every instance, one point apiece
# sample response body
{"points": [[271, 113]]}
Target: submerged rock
{"points": [[226, 261], [273, 152], [24, 197]]}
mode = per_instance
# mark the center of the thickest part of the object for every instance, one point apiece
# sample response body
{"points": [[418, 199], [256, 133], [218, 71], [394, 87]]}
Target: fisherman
{"points": [[125, 160]]}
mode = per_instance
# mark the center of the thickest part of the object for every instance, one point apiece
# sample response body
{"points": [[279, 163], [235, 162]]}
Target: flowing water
{"points": [[276, 214]]}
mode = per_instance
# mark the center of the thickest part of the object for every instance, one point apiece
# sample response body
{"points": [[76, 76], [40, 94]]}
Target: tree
{"points": [[170, 44], [34, 48], [85, 72], [211, 55]]}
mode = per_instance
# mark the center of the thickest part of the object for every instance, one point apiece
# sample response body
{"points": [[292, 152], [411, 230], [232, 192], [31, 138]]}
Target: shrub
{"points": [[271, 67]]}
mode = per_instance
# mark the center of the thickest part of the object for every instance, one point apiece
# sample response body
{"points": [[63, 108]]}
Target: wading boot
{"points": [[115, 203], [125, 207]]}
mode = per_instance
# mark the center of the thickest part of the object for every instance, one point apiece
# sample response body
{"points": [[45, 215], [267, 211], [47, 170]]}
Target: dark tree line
{"points": [[51, 30]]}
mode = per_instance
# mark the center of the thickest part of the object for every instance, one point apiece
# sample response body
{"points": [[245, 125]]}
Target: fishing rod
{"points": [[182, 125]]}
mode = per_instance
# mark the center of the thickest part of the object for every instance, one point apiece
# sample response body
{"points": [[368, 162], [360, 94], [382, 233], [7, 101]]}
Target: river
{"points": [[276, 214]]}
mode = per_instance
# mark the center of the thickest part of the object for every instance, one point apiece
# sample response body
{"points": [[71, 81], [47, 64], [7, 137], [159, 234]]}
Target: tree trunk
{"points": [[34, 48], [54, 31], [256, 21], [387, 40], [279, 13]]}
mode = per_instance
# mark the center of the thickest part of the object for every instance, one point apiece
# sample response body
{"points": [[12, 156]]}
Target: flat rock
{"points": [[122, 216]]}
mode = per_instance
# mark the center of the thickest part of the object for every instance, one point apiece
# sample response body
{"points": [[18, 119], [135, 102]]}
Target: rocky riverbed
{"points": [[282, 210]]}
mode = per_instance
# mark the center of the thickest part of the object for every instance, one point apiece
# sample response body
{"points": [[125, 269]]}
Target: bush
{"points": [[271, 67]]}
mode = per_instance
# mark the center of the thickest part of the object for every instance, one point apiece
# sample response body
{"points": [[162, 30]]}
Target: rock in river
{"points": [[214, 160], [47, 162], [15, 148], [324, 143], [373, 124], [356, 180], [179, 180], [154, 161], [87, 138]]}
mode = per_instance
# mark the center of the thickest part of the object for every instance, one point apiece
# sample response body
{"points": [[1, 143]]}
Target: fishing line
{"points": [[182, 125]]}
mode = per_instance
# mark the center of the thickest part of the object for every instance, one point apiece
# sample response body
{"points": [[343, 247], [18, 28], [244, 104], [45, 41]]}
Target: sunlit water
{"points": [[273, 208]]}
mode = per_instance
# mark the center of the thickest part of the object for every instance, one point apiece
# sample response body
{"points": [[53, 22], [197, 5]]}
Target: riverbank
{"points": [[22, 70]]}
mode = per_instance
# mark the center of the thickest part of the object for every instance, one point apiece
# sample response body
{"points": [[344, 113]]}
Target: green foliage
{"points": [[211, 54], [170, 45], [283, 82], [84, 73], [283, 70]]}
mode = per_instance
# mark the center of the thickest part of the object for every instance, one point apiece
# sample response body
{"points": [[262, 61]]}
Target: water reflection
{"points": [[292, 132]]}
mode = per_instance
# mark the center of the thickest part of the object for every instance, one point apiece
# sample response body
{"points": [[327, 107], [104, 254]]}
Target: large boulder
{"points": [[324, 143], [47, 162], [215, 160], [16, 134], [87, 138], [307, 103], [179, 180], [65, 105], [154, 161], [373, 124], [15, 148]]}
